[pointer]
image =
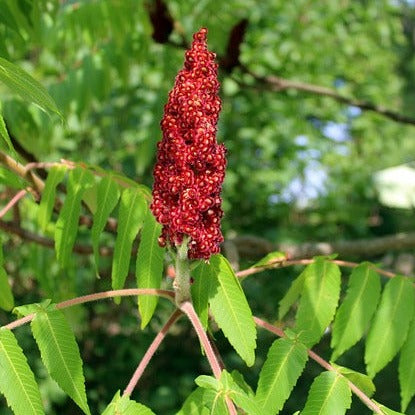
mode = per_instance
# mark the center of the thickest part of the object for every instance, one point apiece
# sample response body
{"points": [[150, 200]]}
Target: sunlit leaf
{"points": [[357, 309], [231, 310], [329, 395], [60, 354], [407, 368], [67, 225], [108, 194], [318, 301], [17, 382], [284, 364], [20, 82], [390, 325], [130, 219], [149, 266]]}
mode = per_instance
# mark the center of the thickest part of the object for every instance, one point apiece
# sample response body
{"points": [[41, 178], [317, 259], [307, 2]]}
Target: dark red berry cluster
{"points": [[191, 164]]}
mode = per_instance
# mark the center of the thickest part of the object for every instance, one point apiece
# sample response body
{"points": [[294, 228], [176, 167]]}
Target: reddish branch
{"points": [[150, 352]]}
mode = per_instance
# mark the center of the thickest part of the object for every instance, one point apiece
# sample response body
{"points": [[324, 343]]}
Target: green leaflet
{"points": [[108, 194], [200, 290], [67, 225], [391, 323], [217, 390], [329, 395], [17, 382], [362, 381], [130, 219], [285, 362], [318, 300], [6, 295], [55, 176], [122, 405], [357, 309], [292, 295], [271, 258], [387, 411], [5, 135], [407, 368], [10, 179], [149, 266], [231, 309], [20, 82], [194, 404], [60, 354]]}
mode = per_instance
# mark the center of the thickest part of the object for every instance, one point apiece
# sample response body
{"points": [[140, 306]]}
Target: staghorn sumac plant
{"points": [[185, 229]]}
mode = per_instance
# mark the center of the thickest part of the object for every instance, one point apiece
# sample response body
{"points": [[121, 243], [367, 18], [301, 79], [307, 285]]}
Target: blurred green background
{"points": [[301, 166]]}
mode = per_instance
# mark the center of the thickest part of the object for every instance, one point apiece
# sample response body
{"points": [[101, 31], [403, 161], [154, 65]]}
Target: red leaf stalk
{"points": [[190, 165]]}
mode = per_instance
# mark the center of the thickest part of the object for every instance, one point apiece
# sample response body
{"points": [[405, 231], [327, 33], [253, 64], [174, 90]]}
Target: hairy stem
{"points": [[323, 363], [19, 195], [188, 309], [150, 352], [181, 282], [95, 297]]}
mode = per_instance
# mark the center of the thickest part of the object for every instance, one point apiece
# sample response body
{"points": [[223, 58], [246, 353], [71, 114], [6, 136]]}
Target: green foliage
{"points": [[300, 168], [55, 176], [271, 258], [230, 309], [407, 368], [130, 220], [67, 224], [292, 294], [149, 266], [319, 299], [108, 194], [17, 382], [356, 310], [122, 405], [6, 294], [329, 395], [390, 325], [60, 354], [219, 389], [285, 362], [5, 135], [362, 381], [203, 278], [20, 82]]}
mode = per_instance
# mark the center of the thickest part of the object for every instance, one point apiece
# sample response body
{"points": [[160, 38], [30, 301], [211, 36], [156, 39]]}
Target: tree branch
{"points": [[150, 352], [254, 247], [277, 84]]}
